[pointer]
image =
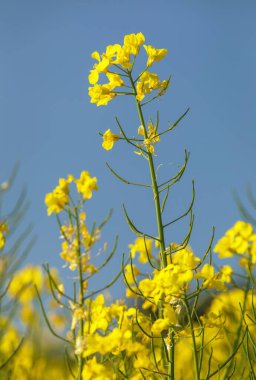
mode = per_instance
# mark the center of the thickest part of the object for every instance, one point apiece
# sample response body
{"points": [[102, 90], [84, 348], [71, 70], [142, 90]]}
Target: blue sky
{"points": [[48, 124]]}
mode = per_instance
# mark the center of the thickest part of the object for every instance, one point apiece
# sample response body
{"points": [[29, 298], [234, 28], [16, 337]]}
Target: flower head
{"points": [[154, 54], [109, 139], [123, 57], [86, 184], [58, 199]]}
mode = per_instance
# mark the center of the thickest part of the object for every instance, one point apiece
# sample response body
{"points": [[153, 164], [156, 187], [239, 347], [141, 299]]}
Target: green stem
{"points": [[154, 184], [81, 291], [171, 357], [163, 257], [196, 364]]}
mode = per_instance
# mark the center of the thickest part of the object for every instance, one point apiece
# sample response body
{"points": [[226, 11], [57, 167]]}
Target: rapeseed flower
{"points": [[3, 232], [122, 57], [22, 286], [93, 370], [109, 139], [237, 240], [143, 247], [58, 199], [154, 55], [149, 82], [86, 184], [152, 137], [214, 280]]}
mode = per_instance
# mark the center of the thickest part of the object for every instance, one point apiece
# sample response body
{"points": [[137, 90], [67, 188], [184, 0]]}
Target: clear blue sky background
{"points": [[48, 124]]}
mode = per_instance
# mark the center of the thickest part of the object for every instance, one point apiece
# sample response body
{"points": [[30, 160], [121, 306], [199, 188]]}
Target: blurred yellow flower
{"points": [[214, 280], [3, 232], [22, 286], [143, 247], [58, 199], [86, 184]]}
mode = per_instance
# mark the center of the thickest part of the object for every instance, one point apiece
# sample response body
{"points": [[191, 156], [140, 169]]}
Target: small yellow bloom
{"points": [[133, 42], [159, 325], [154, 54], [101, 94], [94, 370], [58, 199], [86, 184], [237, 240], [109, 139], [22, 284], [152, 137], [149, 82], [143, 247], [114, 80], [215, 280], [123, 57], [3, 232]]}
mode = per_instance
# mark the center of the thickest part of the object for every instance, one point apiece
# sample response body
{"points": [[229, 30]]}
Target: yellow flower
{"points": [[237, 240], [100, 67], [215, 280], [159, 325], [94, 370], [133, 42], [168, 282], [143, 247], [93, 76], [58, 199], [28, 315], [184, 257], [114, 80], [154, 54], [123, 57], [3, 232], [109, 139], [22, 284], [149, 82], [86, 184], [101, 94], [152, 137], [212, 319]]}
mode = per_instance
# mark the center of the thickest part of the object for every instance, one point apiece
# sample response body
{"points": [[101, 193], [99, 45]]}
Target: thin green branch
{"points": [[124, 180], [12, 354], [135, 229], [47, 320], [187, 211]]}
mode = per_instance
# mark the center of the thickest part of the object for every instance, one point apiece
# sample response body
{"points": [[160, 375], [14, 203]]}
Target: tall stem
{"points": [[154, 185], [167, 361], [81, 291]]}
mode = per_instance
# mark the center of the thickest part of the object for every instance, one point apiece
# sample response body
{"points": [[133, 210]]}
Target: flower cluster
{"points": [[111, 331], [59, 198], [122, 58], [77, 237], [238, 240]]}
